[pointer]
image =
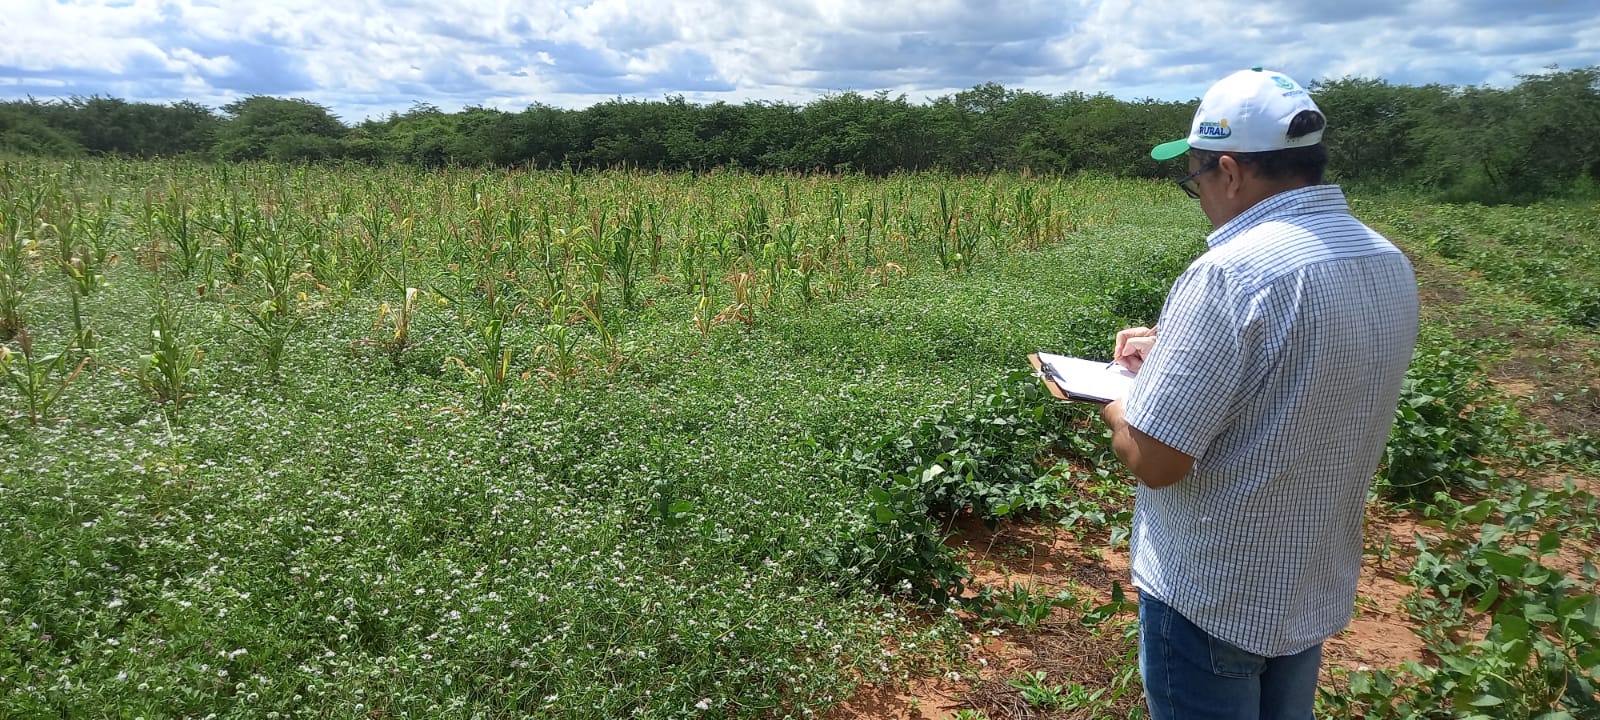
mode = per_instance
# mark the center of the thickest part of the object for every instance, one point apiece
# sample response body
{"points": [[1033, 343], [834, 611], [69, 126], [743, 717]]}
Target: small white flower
{"points": [[704, 704]]}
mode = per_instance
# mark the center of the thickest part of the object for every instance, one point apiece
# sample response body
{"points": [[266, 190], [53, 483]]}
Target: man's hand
{"points": [[1133, 346]]}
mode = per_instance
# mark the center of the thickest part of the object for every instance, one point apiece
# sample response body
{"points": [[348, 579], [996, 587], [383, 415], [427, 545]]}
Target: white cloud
{"points": [[367, 56]]}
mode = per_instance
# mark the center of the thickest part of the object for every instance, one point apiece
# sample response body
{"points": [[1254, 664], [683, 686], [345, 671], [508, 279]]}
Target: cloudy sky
{"points": [[365, 58]]}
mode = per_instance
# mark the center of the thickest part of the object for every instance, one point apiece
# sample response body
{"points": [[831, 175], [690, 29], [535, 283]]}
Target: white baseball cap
{"points": [[1248, 111]]}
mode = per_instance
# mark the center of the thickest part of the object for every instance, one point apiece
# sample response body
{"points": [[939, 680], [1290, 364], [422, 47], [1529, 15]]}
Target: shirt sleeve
{"points": [[1187, 389]]}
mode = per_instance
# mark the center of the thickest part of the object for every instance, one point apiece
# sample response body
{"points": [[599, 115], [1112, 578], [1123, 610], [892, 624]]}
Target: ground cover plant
{"points": [[317, 441]]}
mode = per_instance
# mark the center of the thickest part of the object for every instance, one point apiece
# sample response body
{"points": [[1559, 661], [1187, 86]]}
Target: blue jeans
{"points": [[1189, 675]]}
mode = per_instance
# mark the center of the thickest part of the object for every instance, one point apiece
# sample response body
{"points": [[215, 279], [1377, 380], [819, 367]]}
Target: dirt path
{"points": [[1050, 559]]}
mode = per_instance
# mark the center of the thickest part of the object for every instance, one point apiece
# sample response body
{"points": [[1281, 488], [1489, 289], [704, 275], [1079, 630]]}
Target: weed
{"points": [[895, 545], [1046, 696], [1025, 607]]}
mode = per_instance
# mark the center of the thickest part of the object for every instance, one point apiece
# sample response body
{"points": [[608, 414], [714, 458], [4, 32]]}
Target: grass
{"points": [[641, 517]]}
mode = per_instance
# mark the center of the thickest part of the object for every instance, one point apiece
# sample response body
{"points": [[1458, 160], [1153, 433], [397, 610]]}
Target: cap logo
{"points": [[1283, 82], [1215, 130]]}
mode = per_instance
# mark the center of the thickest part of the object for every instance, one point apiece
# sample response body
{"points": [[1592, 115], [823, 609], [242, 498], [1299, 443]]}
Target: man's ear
{"points": [[1232, 176]]}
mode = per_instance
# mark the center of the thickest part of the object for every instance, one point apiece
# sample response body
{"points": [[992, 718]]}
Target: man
{"points": [[1259, 413]]}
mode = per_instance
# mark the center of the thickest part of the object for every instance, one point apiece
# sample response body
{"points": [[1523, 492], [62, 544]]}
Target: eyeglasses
{"points": [[1190, 187]]}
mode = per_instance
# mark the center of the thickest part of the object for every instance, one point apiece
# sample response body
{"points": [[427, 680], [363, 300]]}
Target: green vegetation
{"points": [[1531, 141], [340, 441], [1513, 619]]}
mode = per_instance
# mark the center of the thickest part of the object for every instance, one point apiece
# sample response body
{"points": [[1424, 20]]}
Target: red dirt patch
{"points": [[1544, 361], [1049, 559], [1379, 636], [1044, 557], [926, 699]]}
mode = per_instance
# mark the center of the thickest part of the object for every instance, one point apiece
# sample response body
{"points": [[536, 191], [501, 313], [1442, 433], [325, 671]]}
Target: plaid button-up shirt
{"points": [[1277, 367]]}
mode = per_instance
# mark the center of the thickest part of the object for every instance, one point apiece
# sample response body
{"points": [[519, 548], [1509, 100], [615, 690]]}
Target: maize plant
{"points": [[705, 313], [607, 338], [167, 370], [490, 366], [559, 351], [40, 381], [741, 309], [270, 331], [177, 227], [624, 246], [394, 344], [14, 278]]}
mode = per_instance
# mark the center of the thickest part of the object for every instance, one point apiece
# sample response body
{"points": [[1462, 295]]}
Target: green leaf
{"points": [[1479, 512], [1503, 564], [1537, 612], [1572, 607], [1512, 627], [1486, 700], [1590, 660], [1549, 542], [1459, 664], [1490, 594]]}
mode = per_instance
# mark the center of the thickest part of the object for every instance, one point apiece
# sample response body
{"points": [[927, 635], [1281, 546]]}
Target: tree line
{"points": [[1536, 139]]}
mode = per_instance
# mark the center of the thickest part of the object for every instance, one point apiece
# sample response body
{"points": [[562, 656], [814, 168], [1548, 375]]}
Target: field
{"points": [[330, 441]]}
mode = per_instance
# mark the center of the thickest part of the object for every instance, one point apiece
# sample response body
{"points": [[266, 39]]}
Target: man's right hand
{"points": [[1133, 346]]}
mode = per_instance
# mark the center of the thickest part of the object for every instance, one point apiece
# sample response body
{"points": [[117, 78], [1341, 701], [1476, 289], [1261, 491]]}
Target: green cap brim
{"points": [[1170, 150]]}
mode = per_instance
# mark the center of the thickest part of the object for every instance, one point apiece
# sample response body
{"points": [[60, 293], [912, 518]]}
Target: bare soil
{"points": [[1050, 558], [1553, 373]]}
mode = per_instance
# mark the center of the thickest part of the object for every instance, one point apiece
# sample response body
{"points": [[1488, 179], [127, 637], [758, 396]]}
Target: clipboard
{"points": [[1058, 386], [1048, 377]]}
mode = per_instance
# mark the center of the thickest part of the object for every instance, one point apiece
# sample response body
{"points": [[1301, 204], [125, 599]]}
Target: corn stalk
{"points": [[14, 278], [40, 381], [167, 371], [559, 351]]}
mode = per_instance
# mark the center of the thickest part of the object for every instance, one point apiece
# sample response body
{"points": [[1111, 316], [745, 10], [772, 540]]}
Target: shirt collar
{"points": [[1300, 201]]}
